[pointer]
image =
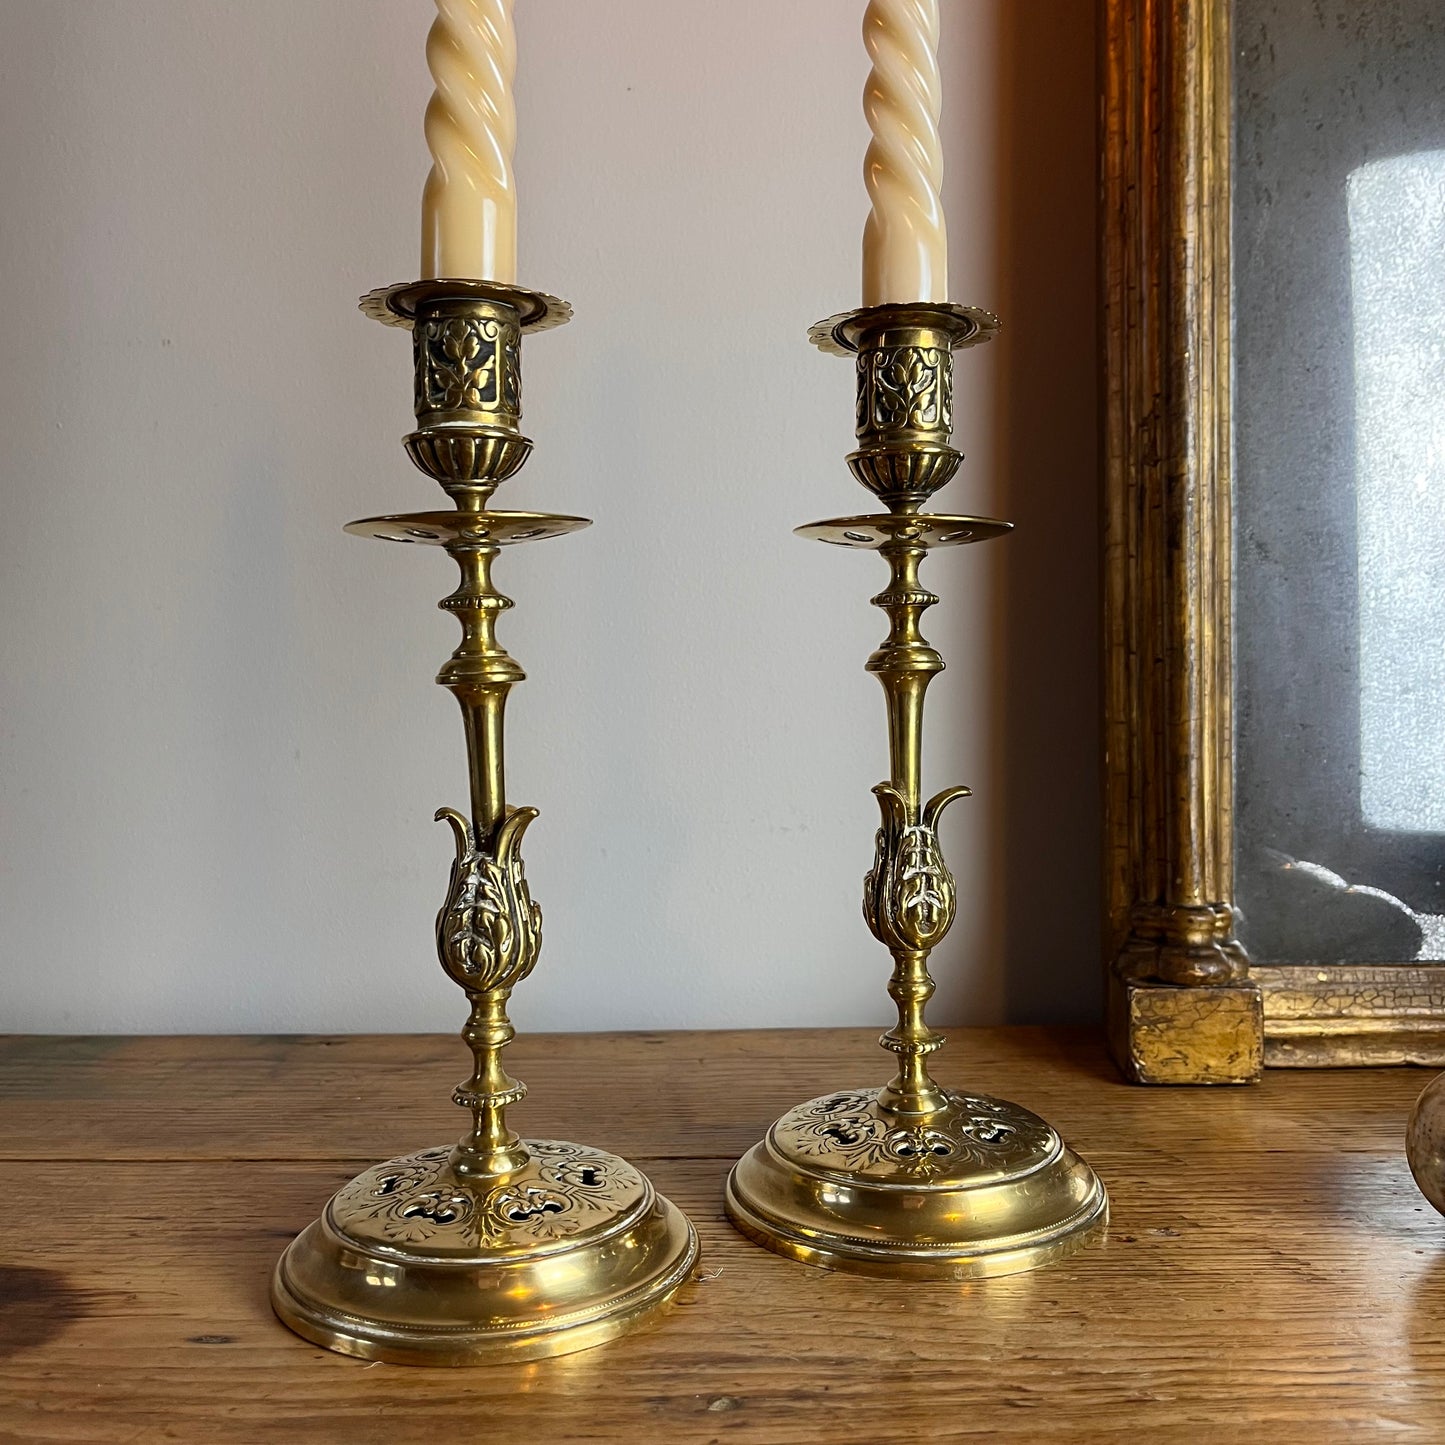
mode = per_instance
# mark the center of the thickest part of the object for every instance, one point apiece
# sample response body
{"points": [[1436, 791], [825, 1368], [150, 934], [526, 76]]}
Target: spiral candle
{"points": [[469, 206], [905, 246]]}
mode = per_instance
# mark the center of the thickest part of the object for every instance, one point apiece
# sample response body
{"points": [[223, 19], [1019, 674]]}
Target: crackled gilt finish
{"points": [[1169, 862], [1185, 1004]]}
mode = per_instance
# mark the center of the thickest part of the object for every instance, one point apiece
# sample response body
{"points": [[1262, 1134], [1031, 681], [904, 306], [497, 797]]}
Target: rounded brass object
{"points": [[458, 529], [455, 455], [924, 529], [415, 1264], [979, 1187], [1425, 1142], [895, 474]]}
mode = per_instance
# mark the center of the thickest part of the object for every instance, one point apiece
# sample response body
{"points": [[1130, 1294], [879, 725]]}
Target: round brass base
{"points": [[982, 1187], [413, 1264]]}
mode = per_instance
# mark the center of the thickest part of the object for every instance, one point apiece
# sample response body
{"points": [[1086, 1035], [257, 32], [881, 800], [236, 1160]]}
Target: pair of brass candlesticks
{"points": [[502, 1248]]}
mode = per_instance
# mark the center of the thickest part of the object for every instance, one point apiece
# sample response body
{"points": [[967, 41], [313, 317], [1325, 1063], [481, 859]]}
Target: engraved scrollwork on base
{"points": [[852, 1133], [489, 931], [908, 895], [418, 1199]]}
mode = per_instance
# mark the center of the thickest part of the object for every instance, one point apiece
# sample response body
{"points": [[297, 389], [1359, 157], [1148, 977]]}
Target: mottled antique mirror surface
{"points": [[1274, 319], [1339, 480]]}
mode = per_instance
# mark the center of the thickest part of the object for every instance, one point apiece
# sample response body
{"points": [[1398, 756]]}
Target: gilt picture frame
{"points": [[1185, 1004]]}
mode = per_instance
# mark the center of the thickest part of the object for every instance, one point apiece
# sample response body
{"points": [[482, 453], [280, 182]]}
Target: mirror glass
{"points": [[1339, 479]]}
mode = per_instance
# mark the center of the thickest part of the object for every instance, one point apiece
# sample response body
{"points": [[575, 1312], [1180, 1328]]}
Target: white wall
{"points": [[220, 745]]}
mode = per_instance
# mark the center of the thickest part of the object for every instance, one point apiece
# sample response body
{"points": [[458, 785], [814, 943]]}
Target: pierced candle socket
{"points": [[496, 1247], [913, 1179]]}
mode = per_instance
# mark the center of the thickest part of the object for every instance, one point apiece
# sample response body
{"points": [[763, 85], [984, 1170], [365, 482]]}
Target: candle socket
{"points": [[905, 406], [496, 1247], [914, 1179], [468, 362]]}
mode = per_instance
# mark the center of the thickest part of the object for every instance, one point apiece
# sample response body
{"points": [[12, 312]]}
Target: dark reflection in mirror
{"points": [[1339, 421]]}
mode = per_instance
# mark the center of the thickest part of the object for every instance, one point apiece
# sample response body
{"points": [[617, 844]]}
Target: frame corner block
{"points": [[1163, 1033]]}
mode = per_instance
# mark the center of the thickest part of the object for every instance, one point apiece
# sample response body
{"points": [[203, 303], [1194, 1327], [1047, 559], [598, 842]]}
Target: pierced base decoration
{"points": [[563, 1190], [980, 1187], [413, 1264], [982, 1137]]}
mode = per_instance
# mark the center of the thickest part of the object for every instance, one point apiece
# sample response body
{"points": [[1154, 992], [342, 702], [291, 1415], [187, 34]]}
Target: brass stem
{"points": [[904, 371], [468, 390], [905, 664], [491, 1148], [480, 674], [912, 1090]]}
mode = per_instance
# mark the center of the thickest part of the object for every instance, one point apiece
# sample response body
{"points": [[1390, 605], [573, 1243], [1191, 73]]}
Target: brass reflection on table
{"points": [[497, 1247], [911, 1179]]}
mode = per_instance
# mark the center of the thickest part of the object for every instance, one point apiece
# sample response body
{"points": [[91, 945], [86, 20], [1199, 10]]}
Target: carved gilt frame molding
{"points": [[1184, 1003]]}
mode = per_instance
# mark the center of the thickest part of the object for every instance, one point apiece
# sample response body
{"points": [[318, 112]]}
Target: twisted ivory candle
{"points": [[469, 206], [905, 243]]}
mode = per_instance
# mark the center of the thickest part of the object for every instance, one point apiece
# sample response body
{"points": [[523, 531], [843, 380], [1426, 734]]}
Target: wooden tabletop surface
{"points": [[1270, 1274]]}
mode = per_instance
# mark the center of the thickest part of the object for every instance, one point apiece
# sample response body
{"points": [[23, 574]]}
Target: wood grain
{"points": [[1270, 1272]]}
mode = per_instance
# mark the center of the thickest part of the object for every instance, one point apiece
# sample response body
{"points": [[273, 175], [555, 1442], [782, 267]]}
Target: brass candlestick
{"points": [[498, 1247], [911, 1180]]}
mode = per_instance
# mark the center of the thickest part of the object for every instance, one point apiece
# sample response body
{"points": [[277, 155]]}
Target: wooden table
{"points": [[1271, 1273]]}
